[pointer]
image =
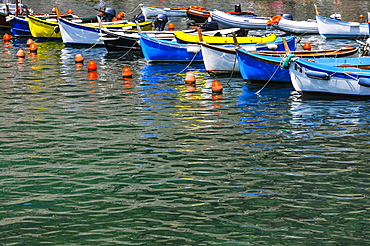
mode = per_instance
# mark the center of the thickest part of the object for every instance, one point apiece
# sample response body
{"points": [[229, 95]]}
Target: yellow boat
{"points": [[49, 29], [183, 37]]}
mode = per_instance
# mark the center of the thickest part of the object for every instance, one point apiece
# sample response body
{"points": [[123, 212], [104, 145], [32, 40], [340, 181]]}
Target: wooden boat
{"points": [[269, 65], [183, 37], [335, 28], [20, 28], [123, 40], [226, 20], [317, 79], [298, 27], [200, 15], [150, 11], [76, 34], [9, 7], [50, 30], [157, 50], [221, 60]]}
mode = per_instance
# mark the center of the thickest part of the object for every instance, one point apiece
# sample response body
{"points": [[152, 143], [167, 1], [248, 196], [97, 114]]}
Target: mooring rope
{"points": [[258, 92], [190, 61], [232, 71]]}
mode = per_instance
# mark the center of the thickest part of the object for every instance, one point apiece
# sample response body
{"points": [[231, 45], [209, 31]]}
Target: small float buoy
{"points": [[361, 16], [70, 11], [171, 26], [126, 72], [307, 46], [91, 66], [190, 78], [7, 37], [33, 48], [54, 10], [20, 53], [29, 42], [217, 87], [79, 58]]}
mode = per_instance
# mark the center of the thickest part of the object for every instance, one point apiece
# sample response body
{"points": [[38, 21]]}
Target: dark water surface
{"points": [[107, 161]]}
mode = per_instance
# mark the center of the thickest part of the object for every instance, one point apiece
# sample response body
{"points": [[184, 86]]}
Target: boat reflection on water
{"points": [[323, 118]]}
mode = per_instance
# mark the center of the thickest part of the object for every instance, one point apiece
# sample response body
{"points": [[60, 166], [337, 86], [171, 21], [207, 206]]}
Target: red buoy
{"points": [[7, 37], [29, 41], [217, 87], [307, 46], [190, 78], [126, 72], [20, 53], [92, 66], [33, 48], [171, 26], [79, 58]]}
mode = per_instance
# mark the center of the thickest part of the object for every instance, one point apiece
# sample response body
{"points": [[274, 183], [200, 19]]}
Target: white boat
{"points": [[315, 79], [300, 27], [150, 11], [75, 34], [336, 28], [226, 20], [221, 60]]}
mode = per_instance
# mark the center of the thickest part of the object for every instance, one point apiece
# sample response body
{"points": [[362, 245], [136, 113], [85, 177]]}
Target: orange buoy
{"points": [[126, 72], [91, 66], [29, 41], [70, 11], [307, 46], [54, 10], [7, 37], [217, 87], [361, 16], [190, 78], [20, 53], [79, 58], [33, 48], [171, 26]]}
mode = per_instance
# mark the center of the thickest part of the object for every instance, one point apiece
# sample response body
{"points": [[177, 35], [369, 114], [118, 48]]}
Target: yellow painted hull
{"points": [[49, 30], [193, 38]]}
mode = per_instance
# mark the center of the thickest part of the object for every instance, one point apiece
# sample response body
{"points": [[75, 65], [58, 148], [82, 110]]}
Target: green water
{"points": [[110, 161]]}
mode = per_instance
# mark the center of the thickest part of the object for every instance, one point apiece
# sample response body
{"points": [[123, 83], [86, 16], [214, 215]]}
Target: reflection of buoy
{"points": [[91, 66], [29, 41], [33, 48], [79, 58], [190, 87], [7, 37], [190, 78], [307, 46], [217, 87], [20, 53], [92, 75], [126, 72], [171, 27]]}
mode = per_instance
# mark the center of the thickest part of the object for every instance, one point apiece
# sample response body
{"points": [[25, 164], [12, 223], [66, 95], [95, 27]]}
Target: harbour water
{"points": [[106, 160]]}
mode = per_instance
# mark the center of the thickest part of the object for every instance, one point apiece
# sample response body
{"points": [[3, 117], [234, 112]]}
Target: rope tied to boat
{"points": [[191, 61], [268, 81]]}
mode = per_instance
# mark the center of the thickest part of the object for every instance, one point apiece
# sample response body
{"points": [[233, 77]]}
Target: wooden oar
{"points": [[286, 47], [200, 35]]}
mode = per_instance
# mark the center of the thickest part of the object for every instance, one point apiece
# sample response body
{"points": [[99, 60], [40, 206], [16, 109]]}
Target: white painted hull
{"points": [[153, 11], [75, 34], [226, 20], [301, 27], [331, 28], [335, 84]]}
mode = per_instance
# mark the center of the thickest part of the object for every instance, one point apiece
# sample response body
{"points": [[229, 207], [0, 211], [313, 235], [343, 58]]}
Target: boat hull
{"points": [[19, 27], [331, 28], [218, 60], [226, 20], [314, 80], [259, 67], [298, 27], [150, 11]]}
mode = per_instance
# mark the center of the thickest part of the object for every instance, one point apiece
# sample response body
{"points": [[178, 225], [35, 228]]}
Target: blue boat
{"points": [[312, 79], [158, 50], [269, 65], [19, 26]]}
